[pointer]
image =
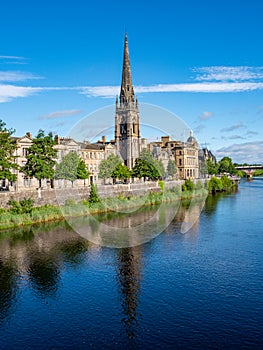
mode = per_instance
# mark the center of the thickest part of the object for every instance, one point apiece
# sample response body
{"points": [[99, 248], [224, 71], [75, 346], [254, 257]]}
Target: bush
{"points": [[2, 211], [188, 186], [215, 185], [161, 185], [226, 183], [24, 206], [199, 185], [93, 197]]}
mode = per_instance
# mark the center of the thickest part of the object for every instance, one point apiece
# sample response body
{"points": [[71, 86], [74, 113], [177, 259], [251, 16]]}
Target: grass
{"points": [[46, 213]]}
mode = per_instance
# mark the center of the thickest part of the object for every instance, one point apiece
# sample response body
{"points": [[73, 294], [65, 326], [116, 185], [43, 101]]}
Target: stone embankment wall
{"points": [[59, 196]]}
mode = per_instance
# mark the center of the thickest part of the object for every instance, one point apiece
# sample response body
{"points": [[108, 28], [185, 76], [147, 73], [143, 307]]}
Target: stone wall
{"points": [[59, 196]]}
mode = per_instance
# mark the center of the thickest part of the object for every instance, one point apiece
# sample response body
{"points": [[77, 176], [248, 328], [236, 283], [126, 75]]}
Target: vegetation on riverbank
{"points": [[23, 213], [221, 184]]}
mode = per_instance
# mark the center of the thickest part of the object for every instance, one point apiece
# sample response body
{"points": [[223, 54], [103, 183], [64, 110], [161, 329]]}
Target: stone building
{"points": [[185, 155], [127, 120], [186, 158]]}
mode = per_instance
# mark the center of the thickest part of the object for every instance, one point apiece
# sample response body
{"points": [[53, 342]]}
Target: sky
{"points": [[202, 61]]}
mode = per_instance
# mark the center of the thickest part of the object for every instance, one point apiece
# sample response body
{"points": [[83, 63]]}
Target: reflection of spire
{"points": [[44, 273], [129, 280]]}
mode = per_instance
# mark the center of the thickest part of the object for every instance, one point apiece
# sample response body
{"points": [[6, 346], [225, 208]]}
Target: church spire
{"points": [[127, 92]]}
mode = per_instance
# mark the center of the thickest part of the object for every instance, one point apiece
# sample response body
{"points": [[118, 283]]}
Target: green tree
{"points": [[82, 171], [7, 150], [71, 168], [215, 185], [121, 172], [225, 165], [146, 166], [145, 169], [212, 168], [171, 168], [107, 166], [159, 167], [93, 196], [41, 158]]}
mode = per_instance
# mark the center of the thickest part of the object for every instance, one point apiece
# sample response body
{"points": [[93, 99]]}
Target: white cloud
{"points": [[251, 133], [9, 92], [111, 91], [233, 137], [250, 152], [59, 114], [233, 127], [7, 59], [15, 76], [206, 115], [228, 73]]}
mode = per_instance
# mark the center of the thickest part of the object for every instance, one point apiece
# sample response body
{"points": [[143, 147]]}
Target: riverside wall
{"points": [[60, 195]]}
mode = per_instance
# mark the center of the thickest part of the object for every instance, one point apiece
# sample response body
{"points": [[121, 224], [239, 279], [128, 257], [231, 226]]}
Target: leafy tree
{"points": [[144, 169], [71, 168], [215, 185], [93, 196], [146, 166], [82, 172], [171, 168], [121, 172], [225, 165], [107, 166], [7, 150], [159, 167], [212, 168], [41, 157]]}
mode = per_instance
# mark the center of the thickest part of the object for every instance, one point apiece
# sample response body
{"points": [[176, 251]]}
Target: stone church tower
{"points": [[127, 120]]}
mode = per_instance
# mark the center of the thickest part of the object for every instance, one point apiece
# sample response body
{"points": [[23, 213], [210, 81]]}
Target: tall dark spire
{"points": [[127, 92]]}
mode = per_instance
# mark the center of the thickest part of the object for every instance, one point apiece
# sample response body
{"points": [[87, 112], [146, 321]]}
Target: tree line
{"points": [[41, 162], [40, 159]]}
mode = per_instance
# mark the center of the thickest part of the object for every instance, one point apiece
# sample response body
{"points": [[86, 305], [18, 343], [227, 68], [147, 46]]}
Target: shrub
{"points": [[161, 185], [27, 205], [199, 185], [24, 206], [226, 183], [94, 197], [188, 185], [215, 185]]}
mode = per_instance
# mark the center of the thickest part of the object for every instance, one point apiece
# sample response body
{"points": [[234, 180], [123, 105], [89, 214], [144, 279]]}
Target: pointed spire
{"points": [[127, 92]]}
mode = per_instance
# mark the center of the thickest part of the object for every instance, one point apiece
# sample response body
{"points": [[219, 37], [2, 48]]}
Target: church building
{"points": [[127, 119]]}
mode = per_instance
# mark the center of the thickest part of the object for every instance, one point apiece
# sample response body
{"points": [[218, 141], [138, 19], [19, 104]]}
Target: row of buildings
{"points": [[127, 142]]}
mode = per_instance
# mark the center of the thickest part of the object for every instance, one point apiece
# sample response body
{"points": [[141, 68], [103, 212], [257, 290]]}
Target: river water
{"points": [[200, 289]]}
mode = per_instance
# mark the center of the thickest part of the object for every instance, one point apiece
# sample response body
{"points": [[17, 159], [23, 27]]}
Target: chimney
{"points": [[57, 139], [103, 139], [28, 134]]}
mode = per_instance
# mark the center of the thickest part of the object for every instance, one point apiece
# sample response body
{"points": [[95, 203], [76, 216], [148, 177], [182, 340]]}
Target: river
{"points": [[199, 289]]}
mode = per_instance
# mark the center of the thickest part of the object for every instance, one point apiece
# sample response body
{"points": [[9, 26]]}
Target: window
{"points": [[24, 151]]}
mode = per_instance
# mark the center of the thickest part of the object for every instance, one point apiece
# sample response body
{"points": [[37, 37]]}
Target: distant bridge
{"points": [[249, 169]]}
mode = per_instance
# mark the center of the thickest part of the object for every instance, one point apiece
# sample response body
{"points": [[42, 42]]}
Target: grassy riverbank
{"points": [[23, 213], [10, 219]]}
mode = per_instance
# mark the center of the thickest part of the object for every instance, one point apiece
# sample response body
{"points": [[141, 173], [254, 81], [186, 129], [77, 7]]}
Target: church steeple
{"points": [[127, 92], [127, 119]]}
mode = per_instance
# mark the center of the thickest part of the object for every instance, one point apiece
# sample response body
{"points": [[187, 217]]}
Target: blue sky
{"points": [[202, 60]]}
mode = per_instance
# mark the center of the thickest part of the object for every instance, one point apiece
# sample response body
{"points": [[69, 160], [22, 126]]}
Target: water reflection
{"points": [[128, 277], [35, 256], [8, 287]]}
